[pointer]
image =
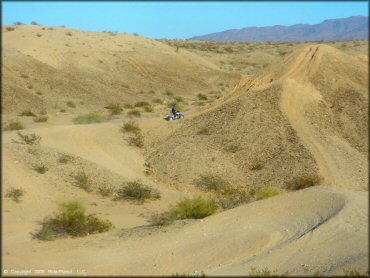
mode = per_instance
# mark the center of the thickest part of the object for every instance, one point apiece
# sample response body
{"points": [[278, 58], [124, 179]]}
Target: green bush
{"points": [[195, 208], [211, 183], [131, 127], [41, 169], [41, 119], [137, 191], [31, 139], [13, 125], [90, 118], [264, 192], [15, 194], [27, 113], [303, 181], [114, 108], [134, 113], [83, 181], [9, 28], [71, 221]]}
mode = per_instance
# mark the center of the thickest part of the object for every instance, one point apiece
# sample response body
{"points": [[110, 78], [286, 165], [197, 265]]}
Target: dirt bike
{"points": [[176, 116]]}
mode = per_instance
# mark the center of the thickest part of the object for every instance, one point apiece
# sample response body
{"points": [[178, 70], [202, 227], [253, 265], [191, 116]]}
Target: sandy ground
{"points": [[318, 229]]}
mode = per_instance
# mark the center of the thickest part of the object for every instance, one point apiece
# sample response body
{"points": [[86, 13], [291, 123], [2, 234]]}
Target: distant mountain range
{"points": [[351, 28]]}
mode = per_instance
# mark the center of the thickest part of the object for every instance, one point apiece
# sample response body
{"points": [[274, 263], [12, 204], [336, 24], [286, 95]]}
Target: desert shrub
{"points": [[106, 190], [158, 100], [152, 92], [211, 183], [134, 113], [148, 108], [34, 23], [71, 221], [232, 197], [27, 113], [15, 194], [41, 169], [161, 219], [30, 139], [179, 99], [9, 28], [265, 272], [114, 108], [69, 34], [303, 181], [25, 76], [128, 106], [18, 23], [41, 119], [62, 110], [90, 118], [142, 104], [137, 191], [256, 165], [13, 125], [201, 274], [204, 131], [51, 28], [137, 139], [38, 35], [354, 273], [135, 34], [232, 148], [229, 49], [131, 127], [71, 104], [195, 208], [169, 93], [65, 158], [82, 181], [43, 112], [202, 96], [264, 192]]}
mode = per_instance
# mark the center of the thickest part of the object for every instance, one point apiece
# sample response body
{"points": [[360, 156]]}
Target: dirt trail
{"points": [[339, 163]]}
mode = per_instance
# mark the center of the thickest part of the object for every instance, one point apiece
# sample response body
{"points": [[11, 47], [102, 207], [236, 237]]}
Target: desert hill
{"points": [[46, 67], [351, 28], [266, 123]]}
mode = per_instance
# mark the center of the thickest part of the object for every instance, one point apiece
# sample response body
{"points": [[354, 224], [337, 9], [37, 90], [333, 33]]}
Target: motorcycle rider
{"points": [[173, 110]]}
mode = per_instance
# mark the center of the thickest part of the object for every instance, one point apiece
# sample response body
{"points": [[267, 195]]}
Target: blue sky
{"points": [[176, 19]]}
